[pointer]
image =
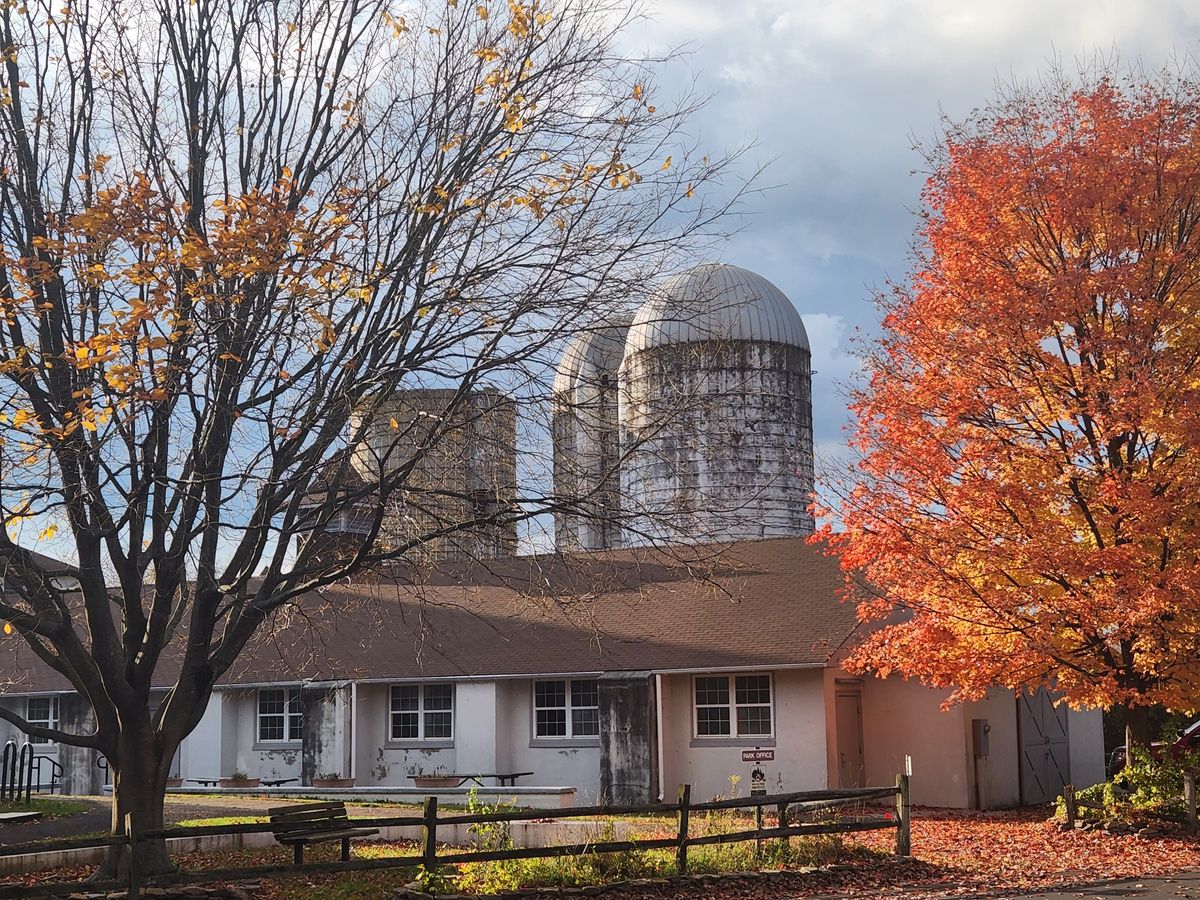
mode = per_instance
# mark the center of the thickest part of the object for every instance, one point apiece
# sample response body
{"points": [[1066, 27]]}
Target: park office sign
{"points": [[757, 756]]}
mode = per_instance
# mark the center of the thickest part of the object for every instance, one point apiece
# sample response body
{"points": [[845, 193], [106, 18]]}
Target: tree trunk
{"points": [[1137, 728], [139, 780]]}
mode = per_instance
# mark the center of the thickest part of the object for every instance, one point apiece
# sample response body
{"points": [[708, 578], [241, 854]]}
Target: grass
{"points": [[218, 820], [49, 807]]}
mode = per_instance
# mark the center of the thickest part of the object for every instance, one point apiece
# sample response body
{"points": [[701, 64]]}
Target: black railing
{"points": [[16, 772], [40, 784]]}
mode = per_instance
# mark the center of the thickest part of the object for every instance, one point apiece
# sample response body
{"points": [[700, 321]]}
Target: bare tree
{"points": [[230, 232]]}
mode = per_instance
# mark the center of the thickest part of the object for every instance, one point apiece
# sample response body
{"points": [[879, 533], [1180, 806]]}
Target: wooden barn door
{"points": [[1045, 750]]}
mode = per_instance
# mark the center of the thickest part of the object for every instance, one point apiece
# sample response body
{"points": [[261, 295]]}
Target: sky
{"points": [[833, 93]]}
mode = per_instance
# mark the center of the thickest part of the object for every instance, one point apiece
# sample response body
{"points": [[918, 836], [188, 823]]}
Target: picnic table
{"points": [[505, 779], [265, 782]]}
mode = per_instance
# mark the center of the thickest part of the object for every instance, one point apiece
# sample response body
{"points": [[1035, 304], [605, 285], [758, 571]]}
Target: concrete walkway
{"points": [[1176, 887]]}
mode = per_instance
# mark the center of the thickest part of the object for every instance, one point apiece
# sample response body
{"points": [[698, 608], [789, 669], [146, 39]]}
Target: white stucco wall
{"points": [[553, 763], [902, 718], [1085, 728], [200, 752], [999, 774], [386, 762], [240, 750], [707, 764]]}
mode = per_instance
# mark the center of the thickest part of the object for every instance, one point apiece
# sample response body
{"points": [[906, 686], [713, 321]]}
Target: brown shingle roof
{"points": [[761, 603]]}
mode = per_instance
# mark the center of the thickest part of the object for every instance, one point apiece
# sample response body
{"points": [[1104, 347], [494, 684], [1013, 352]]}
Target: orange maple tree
{"points": [[1025, 498]]}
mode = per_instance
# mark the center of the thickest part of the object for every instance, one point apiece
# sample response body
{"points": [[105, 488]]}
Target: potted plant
{"points": [[435, 780], [174, 783], [239, 780], [332, 780]]}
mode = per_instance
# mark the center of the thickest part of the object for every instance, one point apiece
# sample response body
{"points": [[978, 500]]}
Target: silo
{"points": [[586, 441], [716, 411], [460, 451]]}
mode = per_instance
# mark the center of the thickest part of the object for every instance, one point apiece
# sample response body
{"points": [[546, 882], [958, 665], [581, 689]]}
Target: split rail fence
{"points": [[785, 807]]}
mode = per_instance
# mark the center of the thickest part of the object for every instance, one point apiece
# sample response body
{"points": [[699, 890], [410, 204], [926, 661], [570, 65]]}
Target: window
{"points": [[566, 709], [280, 716], [737, 706], [422, 712], [42, 711]]}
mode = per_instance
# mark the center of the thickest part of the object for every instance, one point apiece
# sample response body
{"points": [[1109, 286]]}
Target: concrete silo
{"points": [[460, 453], [586, 441], [716, 411]]}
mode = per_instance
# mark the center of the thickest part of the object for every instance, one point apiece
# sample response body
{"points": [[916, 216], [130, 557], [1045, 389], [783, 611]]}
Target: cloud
{"points": [[833, 93]]}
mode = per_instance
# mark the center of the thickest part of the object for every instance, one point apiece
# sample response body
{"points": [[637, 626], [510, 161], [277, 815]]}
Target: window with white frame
{"points": [[566, 708], [422, 712], [280, 716], [41, 711], [733, 706]]}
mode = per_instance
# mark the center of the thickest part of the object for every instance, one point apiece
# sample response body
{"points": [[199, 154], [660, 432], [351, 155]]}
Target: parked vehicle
{"points": [[1188, 740]]}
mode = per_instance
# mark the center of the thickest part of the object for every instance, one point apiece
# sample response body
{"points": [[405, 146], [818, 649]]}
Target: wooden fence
{"points": [[432, 819]]}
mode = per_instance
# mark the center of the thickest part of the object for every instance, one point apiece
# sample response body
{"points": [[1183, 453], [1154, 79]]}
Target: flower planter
{"points": [[239, 782], [435, 781], [174, 783], [333, 782]]}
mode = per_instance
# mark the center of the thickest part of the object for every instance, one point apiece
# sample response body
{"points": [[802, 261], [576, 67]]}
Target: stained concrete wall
{"points": [[719, 437], [707, 764], [628, 738]]}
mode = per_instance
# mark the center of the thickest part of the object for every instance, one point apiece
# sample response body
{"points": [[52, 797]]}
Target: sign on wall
{"points": [[756, 755]]}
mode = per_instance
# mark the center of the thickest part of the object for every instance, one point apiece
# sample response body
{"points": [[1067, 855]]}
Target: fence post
{"points": [[903, 832], [429, 836], [1069, 804], [135, 877], [685, 799], [785, 842], [1189, 798], [758, 826]]}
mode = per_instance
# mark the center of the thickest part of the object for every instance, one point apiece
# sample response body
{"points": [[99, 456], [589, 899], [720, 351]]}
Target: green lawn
{"points": [[49, 807]]}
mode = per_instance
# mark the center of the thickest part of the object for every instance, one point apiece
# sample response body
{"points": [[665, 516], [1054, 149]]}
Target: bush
{"points": [[1147, 786]]}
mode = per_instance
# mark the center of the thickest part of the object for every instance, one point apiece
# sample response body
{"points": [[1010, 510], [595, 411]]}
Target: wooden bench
{"points": [[299, 824]]}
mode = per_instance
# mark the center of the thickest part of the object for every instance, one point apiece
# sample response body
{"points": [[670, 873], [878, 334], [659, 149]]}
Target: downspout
{"points": [[353, 727], [658, 732]]}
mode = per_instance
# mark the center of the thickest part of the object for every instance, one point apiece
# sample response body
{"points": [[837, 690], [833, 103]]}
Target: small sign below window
{"points": [[756, 755]]}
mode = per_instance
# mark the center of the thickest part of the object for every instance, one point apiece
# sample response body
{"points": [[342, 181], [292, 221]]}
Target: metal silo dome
{"points": [[715, 301]]}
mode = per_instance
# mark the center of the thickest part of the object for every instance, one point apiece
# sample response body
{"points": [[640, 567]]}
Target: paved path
{"points": [[1177, 887]]}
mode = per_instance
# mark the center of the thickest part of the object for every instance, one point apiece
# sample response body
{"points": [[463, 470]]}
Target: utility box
{"points": [[979, 737]]}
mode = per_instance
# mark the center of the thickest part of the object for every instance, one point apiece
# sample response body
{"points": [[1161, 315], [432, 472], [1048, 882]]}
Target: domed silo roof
{"points": [[590, 354], [716, 302]]}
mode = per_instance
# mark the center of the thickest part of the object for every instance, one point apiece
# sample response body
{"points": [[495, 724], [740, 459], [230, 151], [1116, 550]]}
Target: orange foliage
{"points": [[1027, 495]]}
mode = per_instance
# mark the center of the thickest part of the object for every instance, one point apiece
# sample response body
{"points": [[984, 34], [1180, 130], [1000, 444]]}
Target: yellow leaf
{"points": [[48, 532], [666, 164], [8, 629], [690, 192], [482, 11], [637, 92], [90, 426], [395, 425]]}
